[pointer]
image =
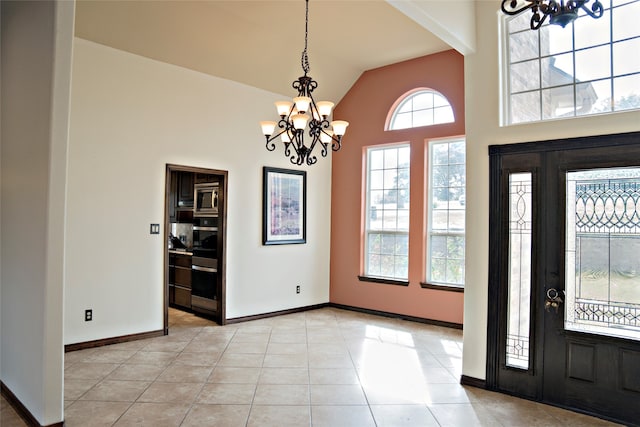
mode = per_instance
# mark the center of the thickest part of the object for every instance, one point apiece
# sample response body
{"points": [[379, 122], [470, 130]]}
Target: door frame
{"points": [[497, 298], [223, 218]]}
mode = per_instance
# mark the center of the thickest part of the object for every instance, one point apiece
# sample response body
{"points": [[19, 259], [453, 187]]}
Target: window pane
{"points": [[387, 213], [525, 76], [627, 90], [423, 108], [626, 57], [592, 64], [524, 45], [592, 32], [554, 40], [557, 70], [558, 102], [445, 249], [525, 107], [625, 21], [593, 97]]}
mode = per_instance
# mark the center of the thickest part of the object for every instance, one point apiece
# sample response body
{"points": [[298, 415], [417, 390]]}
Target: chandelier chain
{"points": [[305, 56]]}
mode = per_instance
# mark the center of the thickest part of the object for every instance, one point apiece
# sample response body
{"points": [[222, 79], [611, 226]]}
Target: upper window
{"points": [[446, 240], [592, 66], [425, 107], [387, 213]]}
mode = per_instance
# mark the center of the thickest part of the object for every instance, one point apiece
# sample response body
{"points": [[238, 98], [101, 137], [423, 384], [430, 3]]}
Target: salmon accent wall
{"points": [[366, 107]]}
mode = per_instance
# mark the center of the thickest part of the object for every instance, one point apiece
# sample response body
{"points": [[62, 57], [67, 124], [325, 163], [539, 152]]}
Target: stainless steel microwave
{"points": [[206, 199]]}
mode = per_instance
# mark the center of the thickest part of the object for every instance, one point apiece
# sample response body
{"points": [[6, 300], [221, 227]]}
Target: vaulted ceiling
{"points": [[259, 43]]}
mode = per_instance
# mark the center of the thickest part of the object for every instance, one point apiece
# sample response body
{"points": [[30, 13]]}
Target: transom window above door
{"points": [[591, 66], [423, 107]]}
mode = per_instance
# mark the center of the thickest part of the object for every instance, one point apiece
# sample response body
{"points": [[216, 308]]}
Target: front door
{"points": [[564, 291]]}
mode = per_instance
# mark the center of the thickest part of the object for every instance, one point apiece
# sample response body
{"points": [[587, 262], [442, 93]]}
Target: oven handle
{"points": [[205, 269], [198, 228]]}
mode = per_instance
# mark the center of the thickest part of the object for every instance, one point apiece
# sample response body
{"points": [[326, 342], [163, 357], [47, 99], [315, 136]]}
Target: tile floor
{"points": [[325, 367]]}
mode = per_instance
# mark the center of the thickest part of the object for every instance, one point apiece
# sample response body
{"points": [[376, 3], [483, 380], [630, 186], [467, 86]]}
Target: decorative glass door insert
{"points": [[602, 252]]}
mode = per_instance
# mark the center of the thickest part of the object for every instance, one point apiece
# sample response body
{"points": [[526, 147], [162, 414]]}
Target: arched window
{"points": [[424, 107]]}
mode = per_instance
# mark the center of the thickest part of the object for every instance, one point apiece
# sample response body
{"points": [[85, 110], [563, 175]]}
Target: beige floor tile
{"points": [[217, 415], [278, 337], [446, 393], [197, 359], [465, 414], [227, 394], [284, 376], [166, 345], [160, 392], [108, 355], [237, 360], [246, 347], [94, 414], [154, 415], [73, 389], [247, 335], [286, 361], [403, 416], [116, 391], [281, 394], [279, 416], [231, 375], [330, 361], [333, 376], [138, 372], [162, 358], [342, 416], [324, 394], [286, 348], [89, 371], [176, 373]]}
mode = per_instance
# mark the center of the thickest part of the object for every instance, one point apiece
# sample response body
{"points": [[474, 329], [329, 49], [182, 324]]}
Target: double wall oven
{"points": [[204, 265]]}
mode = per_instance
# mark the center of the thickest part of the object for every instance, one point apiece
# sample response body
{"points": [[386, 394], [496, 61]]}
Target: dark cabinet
{"points": [[180, 280], [181, 195]]}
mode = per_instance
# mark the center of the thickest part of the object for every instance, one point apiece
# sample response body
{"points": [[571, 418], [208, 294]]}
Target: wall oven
{"points": [[206, 199], [204, 285]]}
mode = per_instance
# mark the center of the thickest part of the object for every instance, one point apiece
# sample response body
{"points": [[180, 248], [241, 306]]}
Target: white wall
{"points": [[36, 65], [130, 116], [482, 120]]}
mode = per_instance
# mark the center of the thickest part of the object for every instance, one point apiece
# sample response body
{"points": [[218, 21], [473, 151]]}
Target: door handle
{"points": [[553, 299]]}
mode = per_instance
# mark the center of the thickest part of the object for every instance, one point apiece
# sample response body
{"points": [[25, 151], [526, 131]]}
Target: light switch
{"points": [[155, 229]]}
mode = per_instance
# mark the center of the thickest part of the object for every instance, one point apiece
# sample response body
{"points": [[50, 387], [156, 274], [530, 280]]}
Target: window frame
{"points": [[366, 276], [429, 283], [506, 113], [400, 102]]}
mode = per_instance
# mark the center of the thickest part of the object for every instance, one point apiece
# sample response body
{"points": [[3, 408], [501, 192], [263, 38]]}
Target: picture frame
{"points": [[284, 206]]}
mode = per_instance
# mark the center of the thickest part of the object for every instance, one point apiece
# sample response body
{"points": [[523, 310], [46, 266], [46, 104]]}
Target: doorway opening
{"points": [[195, 235]]}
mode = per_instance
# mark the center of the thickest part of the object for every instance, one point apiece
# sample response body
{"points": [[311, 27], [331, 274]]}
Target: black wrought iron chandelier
{"points": [[559, 12], [303, 111]]}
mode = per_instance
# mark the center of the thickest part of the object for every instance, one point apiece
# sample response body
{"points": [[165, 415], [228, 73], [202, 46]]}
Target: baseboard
{"points": [[473, 382], [114, 340], [398, 316], [21, 410], [275, 313]]}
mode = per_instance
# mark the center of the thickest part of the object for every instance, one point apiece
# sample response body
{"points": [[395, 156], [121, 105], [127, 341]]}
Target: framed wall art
{"points": [[284, 206]]}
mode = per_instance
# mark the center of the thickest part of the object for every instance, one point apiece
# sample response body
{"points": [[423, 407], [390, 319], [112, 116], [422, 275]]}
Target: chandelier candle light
{"points": [[303, 111], [560, 12]]}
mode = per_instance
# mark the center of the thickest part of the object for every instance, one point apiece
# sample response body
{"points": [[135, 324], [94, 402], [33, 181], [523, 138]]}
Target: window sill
{"points": [[450, 288], [383, 281]]}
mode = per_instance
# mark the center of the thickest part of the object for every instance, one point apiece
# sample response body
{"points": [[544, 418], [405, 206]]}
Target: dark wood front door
{"points": [[564, 291]]}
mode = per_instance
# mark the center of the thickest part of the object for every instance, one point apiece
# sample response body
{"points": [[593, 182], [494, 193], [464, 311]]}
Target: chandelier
{"points": [[560, 12], [303, 111]]}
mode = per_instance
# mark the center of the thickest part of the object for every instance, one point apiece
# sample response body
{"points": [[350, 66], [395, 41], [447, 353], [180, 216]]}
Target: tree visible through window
{"points": [[445, 248], [387, 213], [592, 66]]}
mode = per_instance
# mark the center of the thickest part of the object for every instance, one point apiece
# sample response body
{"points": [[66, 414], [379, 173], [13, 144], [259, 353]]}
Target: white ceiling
{"points": [[259, 43]]}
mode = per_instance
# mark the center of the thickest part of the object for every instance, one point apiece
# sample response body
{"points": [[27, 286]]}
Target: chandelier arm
{"points": [[596, 11], [514, 10]]}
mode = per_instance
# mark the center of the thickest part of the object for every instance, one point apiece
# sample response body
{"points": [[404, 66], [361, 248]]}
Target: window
{"points": [[422, 108], [445, 246], [592, 66], [387, 213]]}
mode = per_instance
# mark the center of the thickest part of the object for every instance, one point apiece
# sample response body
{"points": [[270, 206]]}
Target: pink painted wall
{"points": [[366, 107]]}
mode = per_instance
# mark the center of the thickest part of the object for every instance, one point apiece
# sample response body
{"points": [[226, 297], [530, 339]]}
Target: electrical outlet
{"points": [[154, 229], [298, 289], [88, 315]]}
